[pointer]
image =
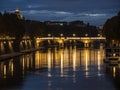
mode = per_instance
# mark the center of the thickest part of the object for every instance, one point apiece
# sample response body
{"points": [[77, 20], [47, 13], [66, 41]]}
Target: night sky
{"points": [[96, 12]]}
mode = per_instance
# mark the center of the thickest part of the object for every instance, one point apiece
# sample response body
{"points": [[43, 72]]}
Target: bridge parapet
{"points": [[60, 40], [72, 38], [6, 38]]}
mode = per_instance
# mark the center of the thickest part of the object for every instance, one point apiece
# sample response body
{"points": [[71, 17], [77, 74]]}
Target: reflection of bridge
{"points": [[85, 40]]}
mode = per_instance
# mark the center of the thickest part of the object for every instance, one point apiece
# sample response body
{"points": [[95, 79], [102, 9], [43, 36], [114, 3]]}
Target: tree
{"points": [[112, 29]]}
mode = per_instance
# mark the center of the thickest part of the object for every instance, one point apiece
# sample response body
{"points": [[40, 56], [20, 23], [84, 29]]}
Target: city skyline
{"points": [[92, 11]]}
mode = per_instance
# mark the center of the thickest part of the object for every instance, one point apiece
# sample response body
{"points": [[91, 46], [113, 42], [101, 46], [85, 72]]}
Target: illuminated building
{"points": [[19, 15]]}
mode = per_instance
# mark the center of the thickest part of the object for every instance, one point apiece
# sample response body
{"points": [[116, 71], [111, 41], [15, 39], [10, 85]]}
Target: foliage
{"points": [[11, 25], [112, 28]]}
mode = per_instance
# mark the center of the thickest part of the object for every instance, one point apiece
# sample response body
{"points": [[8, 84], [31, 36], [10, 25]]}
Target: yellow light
{"points": [[114, 71], [62, 63], [37, 62], [114, 54], [49, 60], [60, 41], [74, 59], [17, 10], [5, 71], [86, 41], [99, 58]]}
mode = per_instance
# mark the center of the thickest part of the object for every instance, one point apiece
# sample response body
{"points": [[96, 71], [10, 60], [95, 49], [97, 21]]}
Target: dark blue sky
{"points": [[95, 12]]}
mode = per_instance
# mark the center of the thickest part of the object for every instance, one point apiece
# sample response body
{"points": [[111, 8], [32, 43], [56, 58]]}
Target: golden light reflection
{"points": [[99, 60], [56, 56], [114, 72], [86, 59], [37, 60], [65, 57], [23, 63], [49, 63], [86, 62], [62, 63], [11, 67], [28, 62], [74, 59], [49, 60], [4, 71]]}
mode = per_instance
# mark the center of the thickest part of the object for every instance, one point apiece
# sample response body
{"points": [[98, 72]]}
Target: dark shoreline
{"points": [[15, 54]]}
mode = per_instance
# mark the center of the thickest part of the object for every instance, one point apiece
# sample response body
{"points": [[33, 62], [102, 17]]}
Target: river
{"points": [[67, 68]]}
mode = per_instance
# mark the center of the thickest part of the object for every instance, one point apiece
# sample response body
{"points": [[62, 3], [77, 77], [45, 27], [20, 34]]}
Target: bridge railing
{"points": [[72, 38]]}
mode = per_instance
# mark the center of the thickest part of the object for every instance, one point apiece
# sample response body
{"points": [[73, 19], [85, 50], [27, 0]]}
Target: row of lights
{"points": [[61, 35], [73, 35]]}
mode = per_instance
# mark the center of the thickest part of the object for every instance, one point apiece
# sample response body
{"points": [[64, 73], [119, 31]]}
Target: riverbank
{"points": [[15, 54]]}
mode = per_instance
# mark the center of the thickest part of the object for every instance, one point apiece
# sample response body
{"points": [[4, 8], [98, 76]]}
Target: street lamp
{"points": [[74, 35], [49, 35], [61, 34], [86, 34], [98, 35]]}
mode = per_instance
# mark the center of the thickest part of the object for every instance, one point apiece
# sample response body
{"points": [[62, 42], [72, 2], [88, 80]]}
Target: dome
{"points": [[17, 10]]}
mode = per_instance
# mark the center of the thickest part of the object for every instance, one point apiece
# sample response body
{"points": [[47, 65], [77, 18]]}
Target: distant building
{"points": [[19, 15], [78, 23], [54, 23]]}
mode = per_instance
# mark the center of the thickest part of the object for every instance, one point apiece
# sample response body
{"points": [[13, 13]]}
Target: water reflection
{"points": [[113, 72], [58, 68]]}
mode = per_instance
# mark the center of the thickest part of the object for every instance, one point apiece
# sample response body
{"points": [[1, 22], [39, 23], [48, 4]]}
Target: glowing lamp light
{"points": [[17, 10], [86, 34], [114, 54], [4, 42], [49, 35], [61, 34], [74, 35], [86, 41]]}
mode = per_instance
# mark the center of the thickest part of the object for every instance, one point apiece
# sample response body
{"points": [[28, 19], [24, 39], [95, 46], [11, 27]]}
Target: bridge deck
{"points": [[73, 38]]}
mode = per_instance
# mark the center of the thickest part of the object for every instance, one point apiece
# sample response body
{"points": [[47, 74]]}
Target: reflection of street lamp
{"points": [[74, 35], [49, 35], [86, 34]]}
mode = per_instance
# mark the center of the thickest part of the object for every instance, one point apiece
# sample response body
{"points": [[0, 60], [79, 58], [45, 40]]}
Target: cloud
{"points": [[45, 15], [48, 12], [35, 6], [95, 15]]}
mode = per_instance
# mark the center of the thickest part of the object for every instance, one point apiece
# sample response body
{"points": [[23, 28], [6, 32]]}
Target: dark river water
{"points": [[70, 68]]}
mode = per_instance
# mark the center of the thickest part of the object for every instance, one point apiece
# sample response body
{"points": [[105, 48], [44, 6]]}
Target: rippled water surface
{"points": [[59, 69]]}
